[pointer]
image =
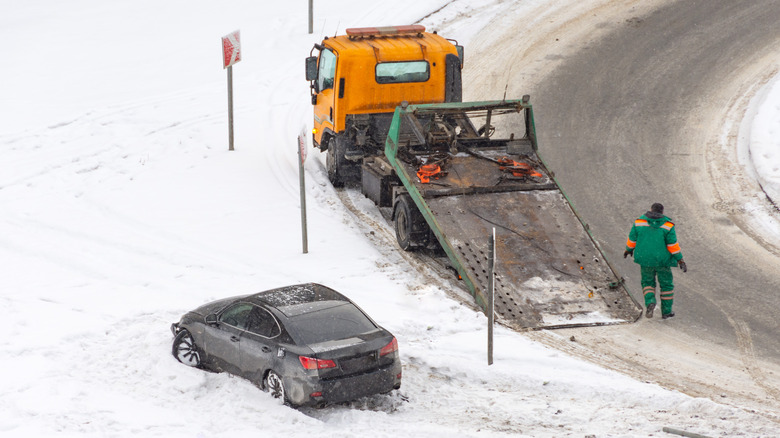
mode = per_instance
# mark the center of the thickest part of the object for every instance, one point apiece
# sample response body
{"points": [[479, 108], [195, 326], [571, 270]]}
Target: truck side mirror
{"points": [[461, 54], [311, 68]]}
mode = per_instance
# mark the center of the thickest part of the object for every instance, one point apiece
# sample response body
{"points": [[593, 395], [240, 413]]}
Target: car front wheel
{"points": [[275, 385], [185, 350]]}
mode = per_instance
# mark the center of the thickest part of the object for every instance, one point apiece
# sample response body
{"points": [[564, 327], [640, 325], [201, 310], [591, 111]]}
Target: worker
{"points": [[653, 244]]}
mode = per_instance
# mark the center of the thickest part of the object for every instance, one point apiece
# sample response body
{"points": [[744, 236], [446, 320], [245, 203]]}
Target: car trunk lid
{"points": [[354, 355]]}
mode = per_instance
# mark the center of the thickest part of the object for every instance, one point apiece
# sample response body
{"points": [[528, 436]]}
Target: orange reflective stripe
{"points": [[649, 290], [667, 226], [673, 248], [641, 223], [631, 244]]}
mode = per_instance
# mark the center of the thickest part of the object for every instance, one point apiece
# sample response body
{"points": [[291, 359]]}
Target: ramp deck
{"points": [[549, 272]]}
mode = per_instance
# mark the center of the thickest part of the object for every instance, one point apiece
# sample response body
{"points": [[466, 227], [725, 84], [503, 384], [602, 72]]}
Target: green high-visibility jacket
{"points": [[653, 241]]}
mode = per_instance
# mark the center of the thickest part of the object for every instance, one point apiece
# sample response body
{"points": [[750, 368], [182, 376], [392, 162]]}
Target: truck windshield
{"points": [[397, 72], [327, 70]]}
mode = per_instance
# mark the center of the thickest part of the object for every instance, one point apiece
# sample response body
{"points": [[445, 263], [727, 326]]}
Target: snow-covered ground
{"points": [[121, 208]]}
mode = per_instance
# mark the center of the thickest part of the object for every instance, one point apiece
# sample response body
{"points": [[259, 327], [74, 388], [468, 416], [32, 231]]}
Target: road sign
{"points": [[231, 54], [231, 49], [302, 145]]}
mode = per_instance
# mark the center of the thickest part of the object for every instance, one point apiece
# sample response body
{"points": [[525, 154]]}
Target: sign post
{"points": [[311, 16], [491, 293], [302, 181], [231, 54]]}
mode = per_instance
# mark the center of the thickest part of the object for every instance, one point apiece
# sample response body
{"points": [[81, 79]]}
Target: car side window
{"points": [[236, 315], [261, 322]]}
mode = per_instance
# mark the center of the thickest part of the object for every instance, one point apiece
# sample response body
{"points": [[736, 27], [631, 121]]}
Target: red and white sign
{"points": [[231, 49], [302, 145]]}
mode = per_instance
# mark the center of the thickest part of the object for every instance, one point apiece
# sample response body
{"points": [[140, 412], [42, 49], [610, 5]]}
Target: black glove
{"points": [[627, 253], [683, 266]]}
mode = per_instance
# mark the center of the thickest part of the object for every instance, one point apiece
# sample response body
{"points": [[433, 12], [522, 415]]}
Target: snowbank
{"points": [[764, 139]]}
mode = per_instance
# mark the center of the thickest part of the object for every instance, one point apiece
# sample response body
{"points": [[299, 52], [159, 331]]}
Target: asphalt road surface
{"points": [[639, 102]]}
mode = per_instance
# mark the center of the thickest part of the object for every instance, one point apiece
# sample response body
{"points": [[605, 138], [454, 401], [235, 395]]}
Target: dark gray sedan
{"points": [[307, 344]]}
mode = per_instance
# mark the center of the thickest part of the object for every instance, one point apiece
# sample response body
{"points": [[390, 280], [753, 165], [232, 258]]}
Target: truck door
{"points": [[325, 87]]}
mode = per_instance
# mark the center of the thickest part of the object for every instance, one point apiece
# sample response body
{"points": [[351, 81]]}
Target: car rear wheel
{"points": [[185, 350], [275, 386]]}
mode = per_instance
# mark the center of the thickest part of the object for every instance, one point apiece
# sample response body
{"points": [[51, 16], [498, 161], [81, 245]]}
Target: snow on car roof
{"points": [[302, 298]]}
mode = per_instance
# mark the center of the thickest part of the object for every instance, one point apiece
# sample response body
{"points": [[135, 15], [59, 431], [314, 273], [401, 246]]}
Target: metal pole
{"points": [[303, 196], [311, 16], [230, 106], [491, 293]]}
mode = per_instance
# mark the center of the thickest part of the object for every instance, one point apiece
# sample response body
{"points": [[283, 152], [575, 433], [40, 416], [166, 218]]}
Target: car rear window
{"points": [[332, 323]]}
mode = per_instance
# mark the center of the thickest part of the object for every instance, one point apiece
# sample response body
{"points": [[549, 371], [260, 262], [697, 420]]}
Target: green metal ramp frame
{"points": [[549, 271]]}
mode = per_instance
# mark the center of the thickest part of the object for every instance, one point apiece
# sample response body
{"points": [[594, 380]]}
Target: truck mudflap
{"points": [[549, 272]]}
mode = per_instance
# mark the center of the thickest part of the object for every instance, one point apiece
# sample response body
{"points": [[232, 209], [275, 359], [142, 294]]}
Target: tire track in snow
{"points": [[61, 147], [745, 343], [61, 173]]}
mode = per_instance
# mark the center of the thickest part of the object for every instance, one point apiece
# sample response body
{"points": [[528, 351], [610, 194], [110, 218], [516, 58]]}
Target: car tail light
{"points": [[389, 348], [311, 363]]}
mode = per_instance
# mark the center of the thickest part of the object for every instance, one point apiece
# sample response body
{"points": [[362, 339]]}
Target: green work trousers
{"points": [[665, 280]]}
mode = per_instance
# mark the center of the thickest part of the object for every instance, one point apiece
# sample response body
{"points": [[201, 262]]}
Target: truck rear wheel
{"points": [[411, 230]]}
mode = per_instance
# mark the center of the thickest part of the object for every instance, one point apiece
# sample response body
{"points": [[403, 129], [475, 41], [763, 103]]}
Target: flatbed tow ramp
{"points": [[466, 181]]}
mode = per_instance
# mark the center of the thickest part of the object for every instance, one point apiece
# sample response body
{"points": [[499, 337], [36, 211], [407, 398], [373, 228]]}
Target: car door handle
{"points": [[234, 338], [266, 350]]}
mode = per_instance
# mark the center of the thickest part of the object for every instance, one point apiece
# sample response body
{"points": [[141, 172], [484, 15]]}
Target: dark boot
{"points": [[667, 315], [650, 308]]}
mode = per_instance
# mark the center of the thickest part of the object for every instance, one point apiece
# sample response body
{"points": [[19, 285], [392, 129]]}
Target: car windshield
{"points": [[341, 321]]}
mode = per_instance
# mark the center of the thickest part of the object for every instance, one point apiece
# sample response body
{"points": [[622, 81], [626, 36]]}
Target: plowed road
{"points": [[640, 102]]}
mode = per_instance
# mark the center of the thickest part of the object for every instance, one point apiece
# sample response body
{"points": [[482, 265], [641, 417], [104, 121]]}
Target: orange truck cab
{"points": [[358, 79]]}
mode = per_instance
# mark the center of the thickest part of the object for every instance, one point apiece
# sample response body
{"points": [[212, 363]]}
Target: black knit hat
{"points": [[657, 208]]}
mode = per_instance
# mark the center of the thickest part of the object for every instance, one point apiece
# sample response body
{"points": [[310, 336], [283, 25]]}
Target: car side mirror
{"points": [[211, 319], [311, 68]]}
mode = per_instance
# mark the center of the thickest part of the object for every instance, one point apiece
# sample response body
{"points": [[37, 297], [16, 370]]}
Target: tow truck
{"points": [[448, 173]]}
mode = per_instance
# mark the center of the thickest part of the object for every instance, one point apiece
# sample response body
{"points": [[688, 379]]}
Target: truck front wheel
{"points": [[340, 169], [411, 230], [334, 162]]}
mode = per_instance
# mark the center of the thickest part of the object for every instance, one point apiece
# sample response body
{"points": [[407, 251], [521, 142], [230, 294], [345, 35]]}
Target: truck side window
{"points": [[327, 70], [398, 72]]}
